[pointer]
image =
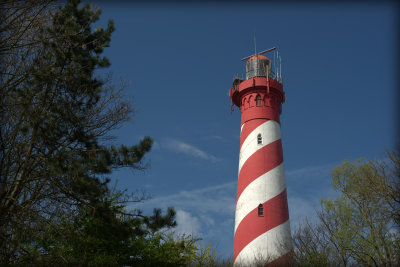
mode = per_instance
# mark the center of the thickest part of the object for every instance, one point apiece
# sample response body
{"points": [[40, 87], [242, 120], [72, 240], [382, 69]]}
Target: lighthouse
{"points": [[262, 229]]}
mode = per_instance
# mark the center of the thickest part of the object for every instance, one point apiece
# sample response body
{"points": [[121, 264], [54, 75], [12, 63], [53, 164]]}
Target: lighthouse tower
{"points": [[262, 230]]}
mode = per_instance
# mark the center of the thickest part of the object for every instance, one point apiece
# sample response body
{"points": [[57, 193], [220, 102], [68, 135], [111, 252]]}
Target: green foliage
{"points": [[101, 236], [361, 226], [161, 249]]}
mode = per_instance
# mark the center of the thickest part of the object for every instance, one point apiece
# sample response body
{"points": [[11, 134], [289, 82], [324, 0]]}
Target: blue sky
{"points": [[339, 70]]}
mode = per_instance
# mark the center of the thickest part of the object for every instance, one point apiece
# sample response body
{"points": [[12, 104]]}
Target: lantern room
{"points": [[256, 66]]}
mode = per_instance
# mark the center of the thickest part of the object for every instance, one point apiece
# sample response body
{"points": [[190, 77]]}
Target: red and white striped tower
{"points": [[262, 230]]}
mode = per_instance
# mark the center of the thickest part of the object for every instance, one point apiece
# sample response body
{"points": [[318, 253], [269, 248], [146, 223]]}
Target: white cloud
{"points": [[184, 148], [187, 224], [209, 212]]}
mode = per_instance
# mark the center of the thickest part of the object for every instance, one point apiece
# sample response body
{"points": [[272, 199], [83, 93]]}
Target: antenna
{"points": [[274, 64], [277, 62], [265, 51], [255, 43], [280, 68], [262, 52]]}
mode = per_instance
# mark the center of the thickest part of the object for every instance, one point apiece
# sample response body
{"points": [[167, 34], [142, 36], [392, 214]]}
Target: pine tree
{"points": [[55, 201]]}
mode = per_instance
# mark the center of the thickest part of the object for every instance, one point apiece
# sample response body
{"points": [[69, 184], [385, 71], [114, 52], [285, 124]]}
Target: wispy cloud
{"points": [[217, 199], [311, 171], [190, 150], [214, 137], [156, 145], [209, 212], [303, 196], [301, 208], [306, 186]]}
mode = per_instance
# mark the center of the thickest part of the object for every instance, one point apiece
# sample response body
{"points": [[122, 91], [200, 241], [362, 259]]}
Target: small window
{"points": [[259, 139], [258, 100], [251, 101], [260, 210]]}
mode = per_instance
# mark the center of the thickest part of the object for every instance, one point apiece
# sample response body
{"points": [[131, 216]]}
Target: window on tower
{"points": [[260, 210], [258, 100], [259, 139]]}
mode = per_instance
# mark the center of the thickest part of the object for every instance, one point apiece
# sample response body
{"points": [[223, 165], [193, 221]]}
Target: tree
{"points": [[20, 25], [55, 153], [361, 226], [103, 237]]}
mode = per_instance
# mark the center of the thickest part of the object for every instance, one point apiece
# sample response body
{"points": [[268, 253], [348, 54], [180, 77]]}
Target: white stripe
{"points": [[267, 247], [270, 131], [265, 187], [241, 129]]}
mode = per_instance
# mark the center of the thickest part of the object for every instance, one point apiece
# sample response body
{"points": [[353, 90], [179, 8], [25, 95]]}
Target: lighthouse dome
{"points": [[259, 57], [256, 66]]}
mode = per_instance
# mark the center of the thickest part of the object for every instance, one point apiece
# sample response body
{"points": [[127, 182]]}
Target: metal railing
{"points": [[244, 76]]}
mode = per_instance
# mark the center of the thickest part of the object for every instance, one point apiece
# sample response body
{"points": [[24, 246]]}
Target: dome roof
{"points": [[259, 57]]}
